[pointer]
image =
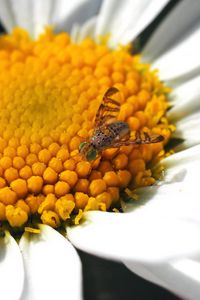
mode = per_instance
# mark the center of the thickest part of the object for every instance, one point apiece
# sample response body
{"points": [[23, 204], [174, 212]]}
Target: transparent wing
{"points": [[147, 139], [108, 109], [140, 138]]}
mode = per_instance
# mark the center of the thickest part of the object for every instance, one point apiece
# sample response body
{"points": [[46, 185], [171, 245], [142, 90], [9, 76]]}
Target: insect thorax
{"points": [[104, 138]]}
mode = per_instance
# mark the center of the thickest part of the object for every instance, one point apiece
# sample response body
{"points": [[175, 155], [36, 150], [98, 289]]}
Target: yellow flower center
{"points": [[50, 92]]}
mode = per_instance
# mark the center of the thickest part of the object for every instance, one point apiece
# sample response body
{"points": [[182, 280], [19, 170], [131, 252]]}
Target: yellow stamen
{"points": [[78, 217], [32, 230], [50, 92]]}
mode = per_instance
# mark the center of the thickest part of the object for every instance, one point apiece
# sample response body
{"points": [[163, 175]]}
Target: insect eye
{"points": [[82, 145], [91, 154]]}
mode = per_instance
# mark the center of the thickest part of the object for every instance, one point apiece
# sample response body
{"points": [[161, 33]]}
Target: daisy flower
{"points": [[52, 83]]}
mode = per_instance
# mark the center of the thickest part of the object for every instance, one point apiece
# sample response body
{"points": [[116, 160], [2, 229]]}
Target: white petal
{"points": [[190, 268], [11, 269], [168, 224], [126, 19], [75, 32], [173, 28], [31, 15], [34, 15], [66, 13], [181, 158], [181, 60], [53, 269], [188, 129], [178, 198], [185, 113], [6, 15], [175, 194], [41, 15], [128, 236], [144, 271], [87, 30], [185, 99], [181, 276]]}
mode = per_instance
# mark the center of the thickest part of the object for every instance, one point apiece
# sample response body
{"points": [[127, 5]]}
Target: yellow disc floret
{"points": [[51, 89]]}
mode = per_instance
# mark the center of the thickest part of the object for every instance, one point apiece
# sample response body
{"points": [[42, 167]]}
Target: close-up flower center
{"points": [[51, 89]]}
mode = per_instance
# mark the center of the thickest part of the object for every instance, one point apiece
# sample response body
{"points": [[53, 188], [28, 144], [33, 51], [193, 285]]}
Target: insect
{"points": [[110, 133]]}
